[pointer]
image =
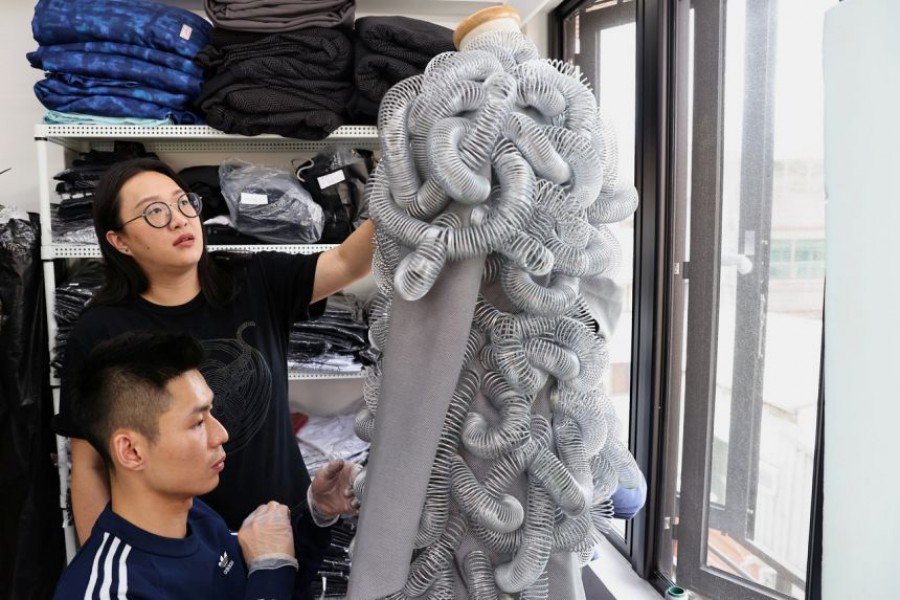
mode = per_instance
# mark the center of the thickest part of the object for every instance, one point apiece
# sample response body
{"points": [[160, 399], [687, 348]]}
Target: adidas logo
{"points": [[225, 563]]}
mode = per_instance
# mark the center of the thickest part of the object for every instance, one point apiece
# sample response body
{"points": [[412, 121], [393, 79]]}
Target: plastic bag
{"points": [[337, 180], [31, 545], [269, 204]]}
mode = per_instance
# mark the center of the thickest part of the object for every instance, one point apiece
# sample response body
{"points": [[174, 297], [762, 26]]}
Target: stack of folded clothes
{"points": [[118, 58], [296, 84], [71, 298], [334, 574], [72, 218], [388, 50], [333, 343]]}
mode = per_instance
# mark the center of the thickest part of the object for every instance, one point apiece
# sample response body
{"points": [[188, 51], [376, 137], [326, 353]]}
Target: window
{"points": [[600, 38], [747, 298], [725, 281]]}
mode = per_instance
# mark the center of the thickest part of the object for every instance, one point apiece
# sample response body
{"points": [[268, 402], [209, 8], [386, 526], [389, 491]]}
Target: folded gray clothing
{"points": [[409, 40], [280, 15], [315, 53]]}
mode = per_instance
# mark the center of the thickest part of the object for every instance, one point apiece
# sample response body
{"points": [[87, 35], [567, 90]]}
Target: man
{"points": [[145, 408]]}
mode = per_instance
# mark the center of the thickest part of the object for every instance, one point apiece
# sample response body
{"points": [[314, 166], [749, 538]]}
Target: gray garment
{"points": [[278, 16], [422, 363]]}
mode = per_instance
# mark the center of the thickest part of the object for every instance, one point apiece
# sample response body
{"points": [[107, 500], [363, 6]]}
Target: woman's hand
{"points": [[332, 489]]}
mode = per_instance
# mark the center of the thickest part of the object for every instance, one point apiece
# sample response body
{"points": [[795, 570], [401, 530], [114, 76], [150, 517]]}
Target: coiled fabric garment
{"points": [[497, 154]]}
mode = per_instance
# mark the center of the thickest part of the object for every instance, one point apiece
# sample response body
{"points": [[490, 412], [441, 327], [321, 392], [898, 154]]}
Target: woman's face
{"points": [[175, 247]]}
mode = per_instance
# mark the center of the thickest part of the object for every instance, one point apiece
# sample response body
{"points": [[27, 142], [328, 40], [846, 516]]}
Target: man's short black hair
{"points": [[123, 384]]}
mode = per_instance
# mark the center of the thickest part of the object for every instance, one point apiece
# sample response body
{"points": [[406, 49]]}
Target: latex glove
{"points": [[266, 533], [331, 492]]}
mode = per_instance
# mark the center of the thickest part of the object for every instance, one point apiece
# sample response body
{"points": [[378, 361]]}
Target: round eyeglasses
{"points": [[159, 214]]}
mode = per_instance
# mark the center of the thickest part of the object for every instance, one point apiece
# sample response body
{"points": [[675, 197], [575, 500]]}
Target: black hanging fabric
{"points": [[32, 551]]}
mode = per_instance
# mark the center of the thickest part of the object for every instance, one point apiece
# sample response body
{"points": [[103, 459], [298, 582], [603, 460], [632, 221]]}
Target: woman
{"points": [[159, 275]]}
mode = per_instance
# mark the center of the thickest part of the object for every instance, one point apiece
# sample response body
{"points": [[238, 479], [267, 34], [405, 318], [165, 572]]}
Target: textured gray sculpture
{"points": [[494, 449]]}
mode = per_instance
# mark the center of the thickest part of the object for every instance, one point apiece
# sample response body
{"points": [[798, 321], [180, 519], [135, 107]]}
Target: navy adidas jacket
{"points": [[120, 560]]}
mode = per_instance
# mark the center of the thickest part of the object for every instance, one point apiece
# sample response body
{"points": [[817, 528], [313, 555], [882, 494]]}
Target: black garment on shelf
{"points": [[72, 296], [336, 331], [309, 54], [388, 50], [204, 180], [31, 540], [295, 84], [336, 181], [249, 109], [410, 40], [221, 235]]}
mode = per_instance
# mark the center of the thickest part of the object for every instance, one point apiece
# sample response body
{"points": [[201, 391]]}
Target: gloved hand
{"points": [[266, 538], [331, 492]]}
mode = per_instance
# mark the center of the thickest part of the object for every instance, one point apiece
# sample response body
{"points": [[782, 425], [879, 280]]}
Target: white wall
{"points": [[20, 109], [861, 546]]}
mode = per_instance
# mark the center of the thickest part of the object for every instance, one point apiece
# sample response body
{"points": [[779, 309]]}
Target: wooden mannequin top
{"points": [[494, 18]]}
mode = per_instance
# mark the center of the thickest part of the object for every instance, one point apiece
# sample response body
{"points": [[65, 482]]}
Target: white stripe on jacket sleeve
{"points": [[106, 584], [123, 573], [93, 579]]}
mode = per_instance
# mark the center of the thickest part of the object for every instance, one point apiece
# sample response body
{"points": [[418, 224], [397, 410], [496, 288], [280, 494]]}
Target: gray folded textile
{"points": [[415, 392], [280, 15]]}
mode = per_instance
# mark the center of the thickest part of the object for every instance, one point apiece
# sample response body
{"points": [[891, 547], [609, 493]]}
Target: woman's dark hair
{"points": [[125, 280]]}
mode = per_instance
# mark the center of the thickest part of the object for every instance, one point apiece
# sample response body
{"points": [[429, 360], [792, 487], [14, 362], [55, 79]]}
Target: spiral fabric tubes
{"points": [[492, 200]]}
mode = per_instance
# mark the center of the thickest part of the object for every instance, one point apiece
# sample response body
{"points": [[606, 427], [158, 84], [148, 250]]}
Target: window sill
{"points": [[616, 574]]}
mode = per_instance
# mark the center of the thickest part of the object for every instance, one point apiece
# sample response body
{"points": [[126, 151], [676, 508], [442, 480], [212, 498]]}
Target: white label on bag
{"points": [[331, 179], [186, 31], [247, 198]]}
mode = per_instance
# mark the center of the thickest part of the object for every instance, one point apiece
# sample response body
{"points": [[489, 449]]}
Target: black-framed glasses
{"points": [[159, 214]]}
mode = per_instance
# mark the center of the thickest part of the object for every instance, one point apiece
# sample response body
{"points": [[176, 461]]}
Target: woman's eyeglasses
{"points": [[159, 214]]}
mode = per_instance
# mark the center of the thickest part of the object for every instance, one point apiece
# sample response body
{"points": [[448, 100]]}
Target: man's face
{"points": [[187, 457]]}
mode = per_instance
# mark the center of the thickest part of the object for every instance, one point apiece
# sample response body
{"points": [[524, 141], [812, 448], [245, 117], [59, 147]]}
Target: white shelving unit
{"points": [[178, 145]]}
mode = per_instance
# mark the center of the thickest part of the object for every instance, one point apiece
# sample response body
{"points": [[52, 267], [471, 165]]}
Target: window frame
{"points": [[661, 276], [648, 326]]}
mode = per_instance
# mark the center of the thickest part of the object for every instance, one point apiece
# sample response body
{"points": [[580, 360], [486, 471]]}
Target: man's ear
{"points": [[127, 449], [116, 241]]}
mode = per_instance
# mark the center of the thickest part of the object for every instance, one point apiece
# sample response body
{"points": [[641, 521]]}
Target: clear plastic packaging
{"points": [[269, 204]]}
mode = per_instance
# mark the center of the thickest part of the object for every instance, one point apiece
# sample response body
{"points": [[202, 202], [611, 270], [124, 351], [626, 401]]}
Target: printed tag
{"points": [[247, 198], [186, 31], [331, 179]]}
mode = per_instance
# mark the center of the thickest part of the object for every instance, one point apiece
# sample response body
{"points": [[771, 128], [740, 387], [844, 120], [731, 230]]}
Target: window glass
{"points": [[764, 348], [601, 40]]}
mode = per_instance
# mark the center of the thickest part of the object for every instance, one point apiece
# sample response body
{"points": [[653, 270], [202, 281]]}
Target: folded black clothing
{"points": [[273, 72], [320, 93], [81, 173], [411, 40], [204, 180], [301, 349], [122, 150], [76, 186], [375, 74], [250, 109], [362, 110], [323, 53], [76, 212], [221, 235]]}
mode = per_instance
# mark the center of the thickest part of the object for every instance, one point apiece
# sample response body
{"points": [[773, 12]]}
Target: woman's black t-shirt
{"points": [[246, 367]]}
